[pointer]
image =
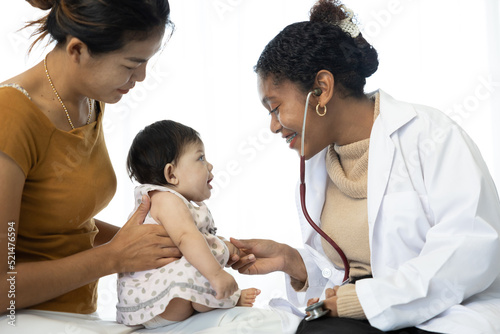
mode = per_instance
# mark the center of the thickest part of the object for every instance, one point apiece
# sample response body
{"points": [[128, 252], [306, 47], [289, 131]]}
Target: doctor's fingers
{"points": [[259, 247], [331, 304], [233, 258], [244, 264], [312, 301], [244, 244], [331, 292]]}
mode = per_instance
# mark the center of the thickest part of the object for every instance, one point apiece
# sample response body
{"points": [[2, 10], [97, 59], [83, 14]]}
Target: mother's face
{"points": [[285, 103]]}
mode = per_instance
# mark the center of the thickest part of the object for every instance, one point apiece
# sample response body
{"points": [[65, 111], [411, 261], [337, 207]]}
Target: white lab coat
{"points": [[434, 222]]}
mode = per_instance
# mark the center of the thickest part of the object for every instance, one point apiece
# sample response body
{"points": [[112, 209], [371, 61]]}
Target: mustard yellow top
{"points": [[69, 179]]}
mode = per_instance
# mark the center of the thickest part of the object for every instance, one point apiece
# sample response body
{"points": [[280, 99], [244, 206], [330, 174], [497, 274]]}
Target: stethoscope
{"points": [[316, 310]]}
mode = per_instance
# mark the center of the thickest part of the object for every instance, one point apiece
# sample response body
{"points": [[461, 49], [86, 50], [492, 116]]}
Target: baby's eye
{"points": [[202, 157]]}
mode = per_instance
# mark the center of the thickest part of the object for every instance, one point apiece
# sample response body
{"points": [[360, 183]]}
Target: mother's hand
{"points": [[139, 246]]}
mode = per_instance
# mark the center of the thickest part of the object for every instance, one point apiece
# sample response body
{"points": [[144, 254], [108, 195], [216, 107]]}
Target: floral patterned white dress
{"points": [[144, 295]]}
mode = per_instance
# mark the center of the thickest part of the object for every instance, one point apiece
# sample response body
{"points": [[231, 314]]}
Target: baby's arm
{"points": [[231, 248], [173, 214], [235, 253]]}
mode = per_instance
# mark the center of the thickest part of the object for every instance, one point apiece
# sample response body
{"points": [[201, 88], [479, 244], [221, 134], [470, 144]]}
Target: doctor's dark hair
{"points": [[154, 147], [103, 25], [303, 49]]}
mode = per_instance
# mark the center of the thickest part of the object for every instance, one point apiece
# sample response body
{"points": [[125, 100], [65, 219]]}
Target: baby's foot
{"points": [[247, 297]]}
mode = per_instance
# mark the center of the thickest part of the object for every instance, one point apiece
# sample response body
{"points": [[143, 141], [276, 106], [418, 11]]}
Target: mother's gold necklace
{"points": [[59, 98]]}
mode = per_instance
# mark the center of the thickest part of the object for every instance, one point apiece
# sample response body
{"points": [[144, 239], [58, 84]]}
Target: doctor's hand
{"points": [[258, 256], [265, 256], [330, 302]]}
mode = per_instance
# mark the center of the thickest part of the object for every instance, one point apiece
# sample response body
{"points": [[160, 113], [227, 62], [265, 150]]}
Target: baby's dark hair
{"points": [[154, 147], [303, 49]]}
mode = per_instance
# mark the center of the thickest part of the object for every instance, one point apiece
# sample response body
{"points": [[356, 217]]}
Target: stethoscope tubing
{"points": [[303, 198]]}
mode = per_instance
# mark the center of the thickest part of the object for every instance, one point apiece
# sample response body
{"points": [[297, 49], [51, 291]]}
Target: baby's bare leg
{"points": [[247, 297], [201, 308], [177, 310]]}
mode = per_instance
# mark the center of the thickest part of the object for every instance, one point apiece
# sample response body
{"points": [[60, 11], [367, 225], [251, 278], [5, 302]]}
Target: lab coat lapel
{"points": [[380, 158], [393, 115]]}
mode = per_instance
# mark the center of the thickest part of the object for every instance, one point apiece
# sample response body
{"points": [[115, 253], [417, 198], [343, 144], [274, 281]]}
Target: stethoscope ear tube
{"points": [[318, 229], [303, 197]]}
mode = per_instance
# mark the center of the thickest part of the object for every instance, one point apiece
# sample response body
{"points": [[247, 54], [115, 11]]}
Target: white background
{"points": [[441, 53]]}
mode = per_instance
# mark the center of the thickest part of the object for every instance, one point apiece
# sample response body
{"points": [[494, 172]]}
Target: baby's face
{"points": [[194, 173]]}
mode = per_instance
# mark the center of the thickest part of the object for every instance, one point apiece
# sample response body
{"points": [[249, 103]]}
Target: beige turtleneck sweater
{"points": [[345, 216]]}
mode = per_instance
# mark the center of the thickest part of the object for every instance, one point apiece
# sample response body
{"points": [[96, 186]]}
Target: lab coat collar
{"points": [[394, 114]]}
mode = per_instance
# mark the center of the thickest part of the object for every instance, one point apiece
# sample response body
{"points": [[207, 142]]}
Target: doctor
{"points": [[400, 188]]}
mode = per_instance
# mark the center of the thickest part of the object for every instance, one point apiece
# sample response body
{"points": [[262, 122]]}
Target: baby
{"points": [[168, 160]]}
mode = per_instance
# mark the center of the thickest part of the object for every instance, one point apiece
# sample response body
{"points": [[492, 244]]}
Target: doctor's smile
{"points": [[290, 138]]}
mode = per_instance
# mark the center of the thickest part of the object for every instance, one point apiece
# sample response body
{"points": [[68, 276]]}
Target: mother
{"points": [[400, 187], [55, 172], [56, 175]]}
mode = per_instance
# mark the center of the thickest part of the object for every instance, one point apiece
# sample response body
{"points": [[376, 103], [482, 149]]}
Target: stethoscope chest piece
{"points": [[316, 311]]}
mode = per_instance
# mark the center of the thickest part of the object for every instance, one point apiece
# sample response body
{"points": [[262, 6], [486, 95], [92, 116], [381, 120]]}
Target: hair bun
{"points": [[42, 4], [369, 61], [327, 11]]}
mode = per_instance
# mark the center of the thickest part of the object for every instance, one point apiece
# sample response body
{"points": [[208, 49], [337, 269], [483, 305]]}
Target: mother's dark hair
{"points": [[302, 49], [103, 25]]}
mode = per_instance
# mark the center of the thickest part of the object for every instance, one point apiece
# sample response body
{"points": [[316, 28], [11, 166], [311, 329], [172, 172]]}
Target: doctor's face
{"points": [[285, 103]]}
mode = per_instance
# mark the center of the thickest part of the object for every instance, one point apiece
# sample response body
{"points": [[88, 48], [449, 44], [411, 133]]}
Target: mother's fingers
{"points": [[161, 262], [162, 246], [140, 214]]}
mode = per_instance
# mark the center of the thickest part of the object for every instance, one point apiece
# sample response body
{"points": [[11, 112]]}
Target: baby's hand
{"points": [[232, 248], [235, 253], [223, 284]]}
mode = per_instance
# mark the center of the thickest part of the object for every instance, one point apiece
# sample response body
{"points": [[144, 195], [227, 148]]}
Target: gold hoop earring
{"points": [[317, 110]]}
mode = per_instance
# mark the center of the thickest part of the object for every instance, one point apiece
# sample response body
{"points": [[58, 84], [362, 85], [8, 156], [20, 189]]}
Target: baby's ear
{"points": [[169, 172]]}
